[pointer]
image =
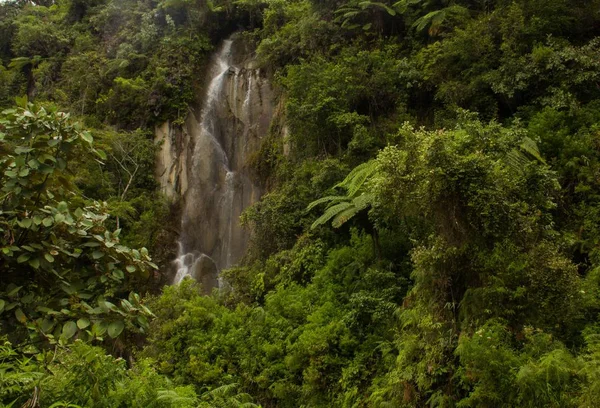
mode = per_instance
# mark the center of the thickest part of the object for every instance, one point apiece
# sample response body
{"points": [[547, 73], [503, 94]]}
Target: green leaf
{"points": [[47, 325], [34, 164], [99, 328], [87, 223], [49, 258], [20, 315], [115, 328], [83, 323], [87, 136], [101, 154], [21, 101], [25, 223], [142, 321], [69, 329], [68, 289], [22, 149], [48, 221], [130, 268], [2, 303], [97, 254], [35, 263]]}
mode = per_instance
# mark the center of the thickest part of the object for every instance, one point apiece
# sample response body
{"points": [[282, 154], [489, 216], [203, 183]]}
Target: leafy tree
{"points": [[61, 266]]}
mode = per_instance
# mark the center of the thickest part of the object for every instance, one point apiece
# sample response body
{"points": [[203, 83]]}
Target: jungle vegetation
{"points": [[432, 239]]}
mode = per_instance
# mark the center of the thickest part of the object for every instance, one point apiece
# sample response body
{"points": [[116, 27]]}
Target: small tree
{"points": [[59, 265]]}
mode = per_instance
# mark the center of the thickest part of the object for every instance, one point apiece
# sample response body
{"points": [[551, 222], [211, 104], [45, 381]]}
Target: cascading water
{"points": [[236, 113]]}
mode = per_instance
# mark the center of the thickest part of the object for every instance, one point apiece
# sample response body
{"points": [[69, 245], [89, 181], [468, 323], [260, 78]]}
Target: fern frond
{"points": [[341, 218], [352, 173], [328, 199], [518, 158], [389, 10], [530, 146], [402, 5], [330, 213], [172, 397], [224, 391], [357, 177], [436, 18], [363, 201]]}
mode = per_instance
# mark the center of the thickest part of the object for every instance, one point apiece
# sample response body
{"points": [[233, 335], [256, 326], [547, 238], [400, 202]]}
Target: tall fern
{"points": [[354, 10], [435, 19], [518, 157], [341, 208]]}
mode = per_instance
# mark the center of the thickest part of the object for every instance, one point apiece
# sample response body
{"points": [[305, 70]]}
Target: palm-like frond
{"points": [[530, 146], [331, 212], [342, 217], [436, 18], [227, 396], [366, 4], [356, 179], [402, 5], [174, 398], [518, 157], [342, 208], [222, 391], [329, 199], [362, 201]]}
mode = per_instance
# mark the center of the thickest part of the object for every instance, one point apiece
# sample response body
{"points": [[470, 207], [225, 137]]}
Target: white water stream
{"points": [[219, 187]]}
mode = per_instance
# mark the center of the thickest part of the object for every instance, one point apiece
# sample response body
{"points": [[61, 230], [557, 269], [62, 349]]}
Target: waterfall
{"points": [[236, 112]]}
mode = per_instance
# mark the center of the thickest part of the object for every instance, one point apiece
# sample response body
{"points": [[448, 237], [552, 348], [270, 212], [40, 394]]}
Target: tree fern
{"points": [[402, 5], [435, 19], [355, 180], [518, 157], [355, 10], [331, 212], [340, 208], [363, 201], [175, 398], [329, 199], [227, 396], [529, 146]]}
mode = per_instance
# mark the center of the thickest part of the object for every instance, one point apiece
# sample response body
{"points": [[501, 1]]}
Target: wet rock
{"points": [[206, 163]]}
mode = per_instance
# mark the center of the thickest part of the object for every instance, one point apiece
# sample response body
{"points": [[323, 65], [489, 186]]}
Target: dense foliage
{"points": [[429, 238]]}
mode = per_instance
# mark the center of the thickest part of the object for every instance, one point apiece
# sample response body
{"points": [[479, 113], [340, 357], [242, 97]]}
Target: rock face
{"points": [[206, 163], [175, 148]]}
